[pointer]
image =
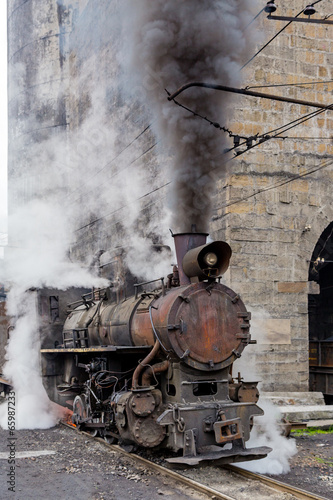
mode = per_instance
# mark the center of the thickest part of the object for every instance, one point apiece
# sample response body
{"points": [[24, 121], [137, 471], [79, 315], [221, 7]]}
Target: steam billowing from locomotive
{"points": [[173, 43]]}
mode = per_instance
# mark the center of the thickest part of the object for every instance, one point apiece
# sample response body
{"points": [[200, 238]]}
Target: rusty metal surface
{"points": [[228, 430], [141, 366], [152, 371], [141, 329], [112, 324], [147, 432], [194, 265], [142, 404], [244, 392], [206, 325], [183, 243]]}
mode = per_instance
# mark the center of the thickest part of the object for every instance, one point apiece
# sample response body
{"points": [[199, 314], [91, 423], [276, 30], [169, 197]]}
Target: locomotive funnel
{"points": [[183, 243]]}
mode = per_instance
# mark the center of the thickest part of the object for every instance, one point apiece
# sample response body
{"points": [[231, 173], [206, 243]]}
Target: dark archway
{"points": [[321, 317]]}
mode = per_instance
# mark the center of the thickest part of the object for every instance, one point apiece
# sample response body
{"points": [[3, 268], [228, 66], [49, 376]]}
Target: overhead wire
{"points": [[255, 17], [263, 137], [239, 200], [281, 130], [121, 208], [215, 124], [276, 185], [306, 138], [114, 175], [275, 36], [114, 158]]}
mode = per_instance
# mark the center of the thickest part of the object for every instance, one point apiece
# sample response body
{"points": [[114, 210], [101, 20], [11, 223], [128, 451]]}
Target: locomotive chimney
{"points": [[183, 243]]}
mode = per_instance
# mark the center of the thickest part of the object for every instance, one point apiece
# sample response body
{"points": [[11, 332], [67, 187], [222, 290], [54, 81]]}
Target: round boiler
{"points": [[205, 325]]}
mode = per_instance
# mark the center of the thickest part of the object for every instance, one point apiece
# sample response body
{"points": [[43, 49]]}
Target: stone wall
{"points": [[62, 62], [271, 221]]}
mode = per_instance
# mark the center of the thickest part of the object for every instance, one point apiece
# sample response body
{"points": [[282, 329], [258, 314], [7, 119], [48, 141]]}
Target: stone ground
{"points": [[77, 467], [312, 466]]}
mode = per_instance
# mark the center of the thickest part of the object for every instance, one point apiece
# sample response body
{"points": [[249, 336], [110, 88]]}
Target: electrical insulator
{"points": [[309, 10], [270, 7]]}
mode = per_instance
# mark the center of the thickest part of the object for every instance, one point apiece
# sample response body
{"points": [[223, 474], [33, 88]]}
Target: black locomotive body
{"points": [[154, 370]]}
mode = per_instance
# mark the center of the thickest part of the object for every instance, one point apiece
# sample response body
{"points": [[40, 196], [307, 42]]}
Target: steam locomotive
{"points": [[154, 370]]}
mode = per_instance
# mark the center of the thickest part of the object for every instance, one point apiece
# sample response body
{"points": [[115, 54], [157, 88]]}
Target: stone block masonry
{"points": [[273, 219]]}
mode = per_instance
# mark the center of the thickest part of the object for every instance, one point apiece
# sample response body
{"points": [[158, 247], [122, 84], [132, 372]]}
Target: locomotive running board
{"points": [[224, 456]]}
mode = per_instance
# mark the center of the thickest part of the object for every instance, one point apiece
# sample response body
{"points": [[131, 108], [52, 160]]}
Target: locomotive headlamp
{"points": [[207, 261], [210, 258]]}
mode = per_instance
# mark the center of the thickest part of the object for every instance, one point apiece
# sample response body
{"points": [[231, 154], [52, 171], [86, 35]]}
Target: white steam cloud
{"points": [[267, 431], [72, 180], [268, 428]]}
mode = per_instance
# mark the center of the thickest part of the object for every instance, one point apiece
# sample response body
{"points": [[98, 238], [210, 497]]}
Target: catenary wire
{"points": [[276, 185], [266, 137], [255, 17], [115, 157], [240, 200], [263, 136], [215, 124], [275, 36], [306, 138], [114, 175], [300, 120], [121, 208]]}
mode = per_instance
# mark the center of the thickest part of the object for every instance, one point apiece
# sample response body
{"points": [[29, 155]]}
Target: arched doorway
{"points": [[321, 317]]}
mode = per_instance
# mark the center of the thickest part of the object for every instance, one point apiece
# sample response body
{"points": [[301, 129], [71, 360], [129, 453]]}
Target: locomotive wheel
{"points": [[109, 439], [80, 414]]}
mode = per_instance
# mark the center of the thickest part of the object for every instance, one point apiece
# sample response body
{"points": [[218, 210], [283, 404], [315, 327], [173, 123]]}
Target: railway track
{"points": [[272, 486]]}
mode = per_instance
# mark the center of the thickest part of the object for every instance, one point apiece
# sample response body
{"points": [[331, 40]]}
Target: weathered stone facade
{"points": [[273, 233], [62, 64]]}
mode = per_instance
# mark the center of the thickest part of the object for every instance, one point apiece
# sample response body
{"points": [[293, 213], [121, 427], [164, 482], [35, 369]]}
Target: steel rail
{"points": [[202, 488], [273, 483], [278, 486], [249, 93], [218, 495]]}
